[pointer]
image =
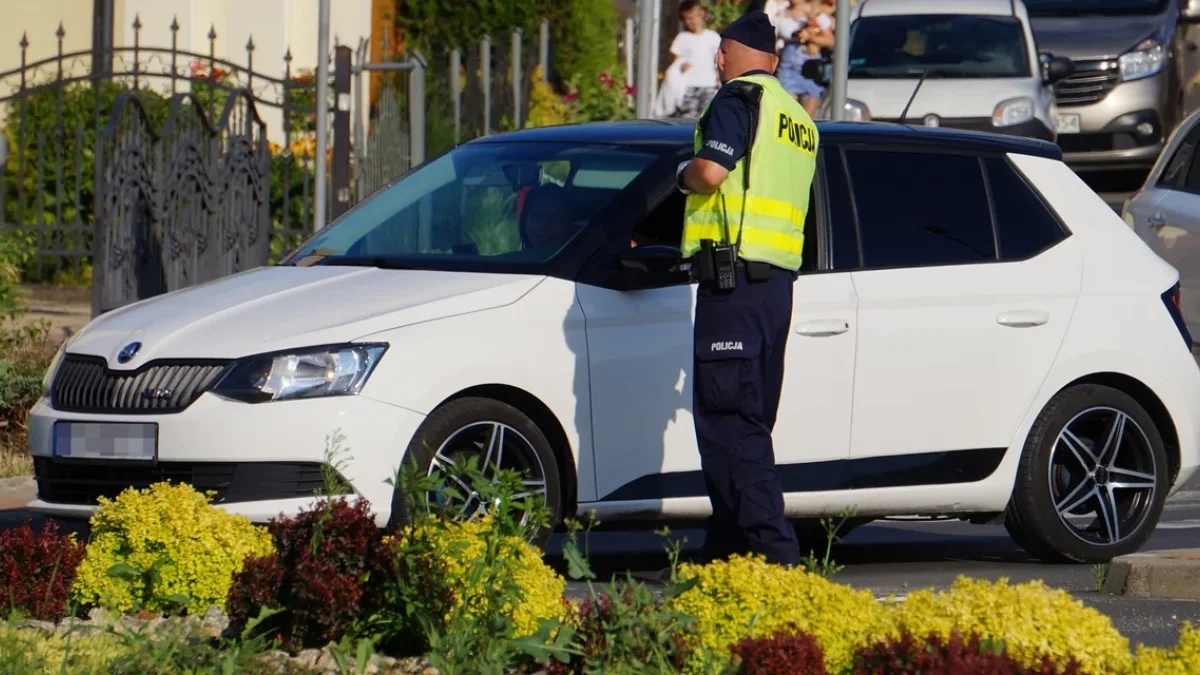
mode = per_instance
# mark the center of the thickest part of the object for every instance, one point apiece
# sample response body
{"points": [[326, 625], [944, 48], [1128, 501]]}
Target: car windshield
{"points": [[945, 45], [506, 203], [1102, 7]]}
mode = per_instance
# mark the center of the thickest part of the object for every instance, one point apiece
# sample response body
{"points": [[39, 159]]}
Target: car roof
{"points": [[897, 7], [680, 131]]}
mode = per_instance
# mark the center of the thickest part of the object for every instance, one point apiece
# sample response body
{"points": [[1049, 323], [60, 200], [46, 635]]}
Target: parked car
{"points": [[1127, 91], [976, 62], [1165, 212], [970, 335]]}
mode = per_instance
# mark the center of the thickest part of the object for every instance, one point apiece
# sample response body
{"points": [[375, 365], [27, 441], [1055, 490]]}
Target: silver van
{"points": [[1127, 91], [982, 69]]}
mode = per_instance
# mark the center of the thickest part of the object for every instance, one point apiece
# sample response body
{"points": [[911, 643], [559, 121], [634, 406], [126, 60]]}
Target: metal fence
{"points": [[152, 164], [463, 93], [152, 167]]}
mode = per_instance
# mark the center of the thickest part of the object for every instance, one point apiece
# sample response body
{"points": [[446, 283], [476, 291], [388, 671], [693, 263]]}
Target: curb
{"points": [[1169, 575]]}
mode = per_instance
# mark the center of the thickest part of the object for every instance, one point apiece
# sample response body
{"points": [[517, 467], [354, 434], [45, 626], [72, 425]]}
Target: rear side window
{"points": [[1024, 224], [920, 209]]}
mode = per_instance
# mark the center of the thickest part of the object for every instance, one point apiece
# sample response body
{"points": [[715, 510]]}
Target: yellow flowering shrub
{"points": [[1184, 659], [458, 545], [1033, 619], [30, 651], [746, 596], [203, 547], [546, 106]]}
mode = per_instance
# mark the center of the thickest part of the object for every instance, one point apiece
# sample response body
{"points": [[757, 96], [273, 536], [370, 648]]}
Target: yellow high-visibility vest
{"points": [[783, 161]]}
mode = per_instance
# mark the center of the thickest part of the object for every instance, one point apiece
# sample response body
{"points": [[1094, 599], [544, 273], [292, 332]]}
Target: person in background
{"points": [[803, 38], [691, 80]]}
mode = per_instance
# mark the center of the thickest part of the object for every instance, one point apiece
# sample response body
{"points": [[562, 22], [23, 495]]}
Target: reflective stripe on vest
{"points": [[783, 162]]}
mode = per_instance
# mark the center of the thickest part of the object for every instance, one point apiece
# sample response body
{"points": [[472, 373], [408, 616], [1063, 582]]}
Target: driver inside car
{"points": [[546, 219]]}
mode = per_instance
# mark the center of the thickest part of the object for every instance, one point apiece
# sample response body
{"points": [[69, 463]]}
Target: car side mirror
{"points": [[651, 266], [654, 259], [1058, 67]]}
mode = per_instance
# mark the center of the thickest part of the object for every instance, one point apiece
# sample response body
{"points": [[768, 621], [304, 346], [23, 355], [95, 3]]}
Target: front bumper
{"points": [[1110, 112], [262, 460]]}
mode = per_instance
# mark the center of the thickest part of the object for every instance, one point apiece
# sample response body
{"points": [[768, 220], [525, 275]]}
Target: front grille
{"points": [[85, 384], [1091, 82], [82, 482]]}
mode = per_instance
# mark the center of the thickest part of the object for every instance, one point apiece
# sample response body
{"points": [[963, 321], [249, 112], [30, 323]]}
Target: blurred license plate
{"points": [[104, 440], [1068, 124]]}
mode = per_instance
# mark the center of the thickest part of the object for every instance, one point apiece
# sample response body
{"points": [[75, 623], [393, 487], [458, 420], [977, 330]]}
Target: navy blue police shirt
{"points": [[726, 129]]}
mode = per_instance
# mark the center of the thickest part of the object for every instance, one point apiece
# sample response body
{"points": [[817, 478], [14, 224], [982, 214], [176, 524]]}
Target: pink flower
{"points": [[570, 98]]}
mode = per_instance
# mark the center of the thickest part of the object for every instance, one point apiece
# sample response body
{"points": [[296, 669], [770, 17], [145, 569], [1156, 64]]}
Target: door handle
{"points": [[1156, 221], [823, 328], [1023, 318]]}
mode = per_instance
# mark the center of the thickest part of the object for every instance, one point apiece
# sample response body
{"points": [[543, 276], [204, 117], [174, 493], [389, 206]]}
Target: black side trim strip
{"points": [[926, 468]]}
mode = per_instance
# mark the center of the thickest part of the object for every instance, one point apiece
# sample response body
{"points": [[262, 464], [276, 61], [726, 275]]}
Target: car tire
{"points": [[460, 427], [1068, 461]]}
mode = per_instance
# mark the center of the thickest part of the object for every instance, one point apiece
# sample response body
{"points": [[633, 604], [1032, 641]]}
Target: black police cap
{"points": [[754, 30]]}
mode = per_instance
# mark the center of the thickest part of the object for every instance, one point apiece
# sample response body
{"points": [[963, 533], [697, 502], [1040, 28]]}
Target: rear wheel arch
{"points": [[1146, 398], [1031, 517]]}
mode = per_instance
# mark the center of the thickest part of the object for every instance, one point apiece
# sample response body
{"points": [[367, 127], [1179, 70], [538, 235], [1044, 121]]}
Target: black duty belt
{"points": [[754, 271]]}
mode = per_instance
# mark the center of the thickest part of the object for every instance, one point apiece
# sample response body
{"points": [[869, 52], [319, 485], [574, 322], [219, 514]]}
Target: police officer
{"points": [[747, 196]]}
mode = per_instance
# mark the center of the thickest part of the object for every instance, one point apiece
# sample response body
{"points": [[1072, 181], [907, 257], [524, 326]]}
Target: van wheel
{"points": [[500, 437], [1092, 480]]}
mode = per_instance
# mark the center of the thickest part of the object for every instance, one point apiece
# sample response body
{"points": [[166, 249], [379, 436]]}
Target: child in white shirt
{"points": [[691, 80]]}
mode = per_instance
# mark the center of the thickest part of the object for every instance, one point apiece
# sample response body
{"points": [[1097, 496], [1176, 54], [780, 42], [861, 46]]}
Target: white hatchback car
{"points": [[976, 335]]}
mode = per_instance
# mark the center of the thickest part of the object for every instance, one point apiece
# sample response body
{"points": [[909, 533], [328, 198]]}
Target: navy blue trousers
{"points": [[740, 340]]}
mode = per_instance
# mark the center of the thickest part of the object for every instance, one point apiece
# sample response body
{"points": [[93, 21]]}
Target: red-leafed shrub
{"points": [[329, 569], [37, 570], [909, 655], [780, 654]]}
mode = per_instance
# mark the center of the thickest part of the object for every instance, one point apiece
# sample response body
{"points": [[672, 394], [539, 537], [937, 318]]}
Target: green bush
{"points": [[28, 177], [165, 548], [721, 13], [430, 25], [26, 351], [585, 43]]}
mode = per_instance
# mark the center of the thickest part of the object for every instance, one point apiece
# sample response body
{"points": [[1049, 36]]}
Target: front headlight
{"points": [[1145, 60], [312, 373], [1012, 111], [48, 378]]}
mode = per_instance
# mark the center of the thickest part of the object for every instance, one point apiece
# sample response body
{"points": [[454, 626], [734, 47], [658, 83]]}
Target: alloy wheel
{"points": [[497, 446], [1103, 476]]}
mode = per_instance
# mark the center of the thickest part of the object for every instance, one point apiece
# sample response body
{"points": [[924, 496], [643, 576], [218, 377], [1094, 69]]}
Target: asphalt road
{"points": [[893, 558]]}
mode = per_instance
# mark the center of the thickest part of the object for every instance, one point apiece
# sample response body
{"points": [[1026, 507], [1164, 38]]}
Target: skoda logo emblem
{"points": [[128, 352], [931, 120]]}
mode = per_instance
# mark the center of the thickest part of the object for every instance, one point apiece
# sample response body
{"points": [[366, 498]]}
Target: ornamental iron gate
{"points": [[152, 168]]}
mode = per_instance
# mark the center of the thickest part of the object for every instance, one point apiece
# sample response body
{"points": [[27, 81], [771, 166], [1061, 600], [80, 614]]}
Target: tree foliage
{"points": [[439, 24], [585, 42]]}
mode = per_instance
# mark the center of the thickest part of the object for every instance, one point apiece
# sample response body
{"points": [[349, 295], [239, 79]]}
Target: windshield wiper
{"points": [[362, 261]]}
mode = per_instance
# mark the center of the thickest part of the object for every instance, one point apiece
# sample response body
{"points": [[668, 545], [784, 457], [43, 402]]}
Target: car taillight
{"points": [[1171, 298]]}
